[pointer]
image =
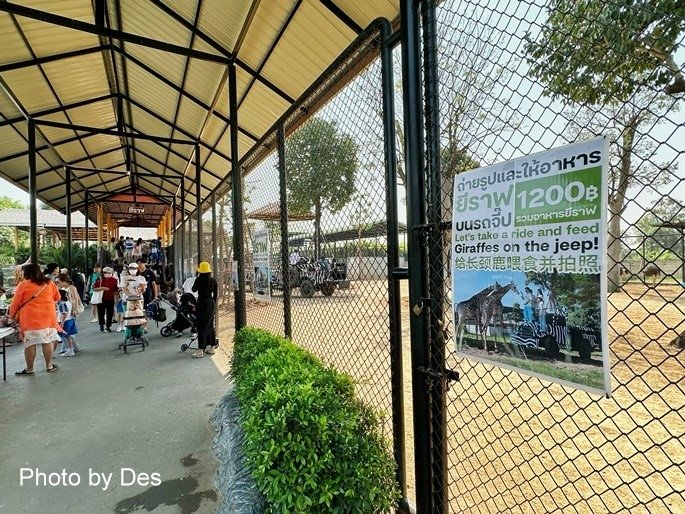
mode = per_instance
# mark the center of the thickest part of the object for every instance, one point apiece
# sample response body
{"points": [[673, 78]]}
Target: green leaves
{"points": [[311, 446], [602, 52], [321, 166]]}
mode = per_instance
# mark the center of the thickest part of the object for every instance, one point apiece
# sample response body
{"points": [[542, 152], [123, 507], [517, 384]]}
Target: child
{"points": [[67, 323], [134, 317], [119, 312]]}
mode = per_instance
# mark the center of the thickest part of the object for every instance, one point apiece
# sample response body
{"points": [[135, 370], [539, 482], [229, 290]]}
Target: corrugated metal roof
{"points": [[46, 218], [281, 48]]}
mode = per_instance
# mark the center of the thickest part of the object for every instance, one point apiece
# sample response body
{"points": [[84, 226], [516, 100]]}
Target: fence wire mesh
{"points": [[338, 251], [263, 247], [516, 77]]}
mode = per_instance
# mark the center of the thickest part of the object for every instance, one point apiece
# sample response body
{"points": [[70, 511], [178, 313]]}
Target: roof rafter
{"points": [[185, 93], [52, 58], [135, 39], [53, 110]]}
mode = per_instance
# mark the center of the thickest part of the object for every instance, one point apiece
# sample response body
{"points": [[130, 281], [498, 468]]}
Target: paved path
{"points": [[103, 410]]}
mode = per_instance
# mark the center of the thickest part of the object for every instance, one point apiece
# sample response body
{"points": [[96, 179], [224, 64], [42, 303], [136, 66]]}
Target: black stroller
{"points": [[185, 308]]}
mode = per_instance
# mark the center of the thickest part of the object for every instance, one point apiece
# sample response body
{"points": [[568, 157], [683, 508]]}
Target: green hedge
{"points": [[311, 445]]}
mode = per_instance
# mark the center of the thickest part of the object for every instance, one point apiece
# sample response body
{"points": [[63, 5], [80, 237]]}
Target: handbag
{"points": [[96, 298]]}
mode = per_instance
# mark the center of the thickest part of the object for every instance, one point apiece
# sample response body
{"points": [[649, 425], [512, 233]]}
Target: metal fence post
{"points": [[436, 260], [285, 261], [414, 156], [394, 304]]}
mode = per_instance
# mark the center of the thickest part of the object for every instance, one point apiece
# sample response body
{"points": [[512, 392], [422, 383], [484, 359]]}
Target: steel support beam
{"points": [[215, 257], [237, 192], [33, 214], [67, 172], [285, 251], [342, 16], [112, 132], [134, 39], [87, 206], [198, 202], [53, 110], [183, 232], [50, 58]]}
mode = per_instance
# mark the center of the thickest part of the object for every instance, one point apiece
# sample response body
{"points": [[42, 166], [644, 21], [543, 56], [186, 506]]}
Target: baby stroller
{"points": [[156, 312], [134, 321], [185, 309]]}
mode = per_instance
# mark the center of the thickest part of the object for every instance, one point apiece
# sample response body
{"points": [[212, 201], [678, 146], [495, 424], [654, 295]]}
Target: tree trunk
{"points": [[614, 247], [617, 200]]}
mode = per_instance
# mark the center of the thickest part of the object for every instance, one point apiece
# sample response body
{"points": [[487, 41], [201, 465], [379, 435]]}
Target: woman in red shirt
{"points": [[34, 304], [109, 287]]}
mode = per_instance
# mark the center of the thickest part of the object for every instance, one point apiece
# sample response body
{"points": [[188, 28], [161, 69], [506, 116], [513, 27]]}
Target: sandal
{"points": [[54, 367], [24, 372]]}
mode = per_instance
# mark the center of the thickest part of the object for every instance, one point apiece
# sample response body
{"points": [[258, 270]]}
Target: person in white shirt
{"points": [[132, 285]]}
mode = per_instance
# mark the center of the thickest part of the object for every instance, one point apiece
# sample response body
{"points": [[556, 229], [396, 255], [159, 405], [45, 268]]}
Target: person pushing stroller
{"points": [[135, 322]]}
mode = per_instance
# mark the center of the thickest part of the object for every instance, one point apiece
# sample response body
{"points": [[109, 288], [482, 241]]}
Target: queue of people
{"points": [[47, 304]]}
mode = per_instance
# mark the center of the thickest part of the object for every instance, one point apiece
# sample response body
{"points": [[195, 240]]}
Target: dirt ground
{"points": [[516, 443]]}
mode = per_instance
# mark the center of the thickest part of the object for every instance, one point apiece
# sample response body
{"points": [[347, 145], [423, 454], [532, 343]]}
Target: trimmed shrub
{"points": [[311, 446]]}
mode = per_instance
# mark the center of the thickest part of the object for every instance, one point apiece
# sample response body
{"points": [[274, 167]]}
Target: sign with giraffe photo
{"points": [[528, 265]]}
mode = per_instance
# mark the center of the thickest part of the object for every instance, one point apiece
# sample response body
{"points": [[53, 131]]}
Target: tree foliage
{"points": [[659, 240], [7, 251], [321, 167], [632, 161], [576, 296], [601, 52]]}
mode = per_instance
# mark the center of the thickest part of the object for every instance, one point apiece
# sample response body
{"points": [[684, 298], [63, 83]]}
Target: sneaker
{"points": [[199, 354], [77, 348], [209, 350], [119, 329], [94, 320], [102, 329], [68, 353], [108, 329]]}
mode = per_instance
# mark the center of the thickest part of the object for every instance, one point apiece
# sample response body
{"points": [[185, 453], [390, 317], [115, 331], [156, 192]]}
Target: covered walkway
{"points": [[104, 410]]}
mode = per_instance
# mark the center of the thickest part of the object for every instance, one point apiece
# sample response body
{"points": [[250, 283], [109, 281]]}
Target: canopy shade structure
{"points": [[48, 220], [123, 91]]}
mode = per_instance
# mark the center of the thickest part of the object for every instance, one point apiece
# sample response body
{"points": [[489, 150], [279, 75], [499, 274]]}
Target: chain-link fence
{"points": [[511, 78]]}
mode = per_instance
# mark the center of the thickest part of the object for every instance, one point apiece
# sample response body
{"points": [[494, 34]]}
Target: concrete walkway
{"points": [[105, 411]]}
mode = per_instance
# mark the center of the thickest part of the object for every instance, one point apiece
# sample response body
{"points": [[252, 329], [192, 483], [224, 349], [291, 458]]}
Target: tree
{"points": [[607, 51], [7, 234], [659, 240], [631, 159], [321, 166]]}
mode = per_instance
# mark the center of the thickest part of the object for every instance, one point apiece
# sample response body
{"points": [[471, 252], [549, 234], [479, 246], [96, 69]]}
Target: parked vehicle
{"points": [[310, 277]]}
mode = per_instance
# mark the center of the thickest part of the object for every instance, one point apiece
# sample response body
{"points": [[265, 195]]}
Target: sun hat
{"points": [[204, 267], [107, 269]]}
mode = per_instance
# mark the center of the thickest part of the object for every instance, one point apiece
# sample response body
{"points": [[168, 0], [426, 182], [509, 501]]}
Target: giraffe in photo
{"points": [[471, 309]]}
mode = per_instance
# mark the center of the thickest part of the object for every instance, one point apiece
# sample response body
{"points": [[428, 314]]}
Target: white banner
{"points": [[262, 270], [529, 264]]}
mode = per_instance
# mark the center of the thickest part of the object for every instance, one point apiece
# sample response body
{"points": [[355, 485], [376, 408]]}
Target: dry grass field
{"points": [[520, 444]]}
